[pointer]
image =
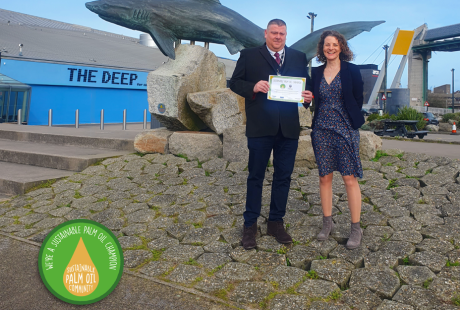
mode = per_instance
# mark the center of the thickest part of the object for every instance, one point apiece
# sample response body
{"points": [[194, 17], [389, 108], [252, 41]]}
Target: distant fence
{"points": [[439, 111]]}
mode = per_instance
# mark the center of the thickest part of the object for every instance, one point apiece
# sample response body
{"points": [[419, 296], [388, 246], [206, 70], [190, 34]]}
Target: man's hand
{"points": [[262, 87], [307, 96]]}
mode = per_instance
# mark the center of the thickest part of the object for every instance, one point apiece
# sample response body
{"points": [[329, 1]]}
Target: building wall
{"points": [[65, 88], [443, 89], [65, 100]]}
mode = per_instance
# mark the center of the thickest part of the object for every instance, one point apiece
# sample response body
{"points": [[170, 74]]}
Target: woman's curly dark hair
{"points": [[346, 54]]}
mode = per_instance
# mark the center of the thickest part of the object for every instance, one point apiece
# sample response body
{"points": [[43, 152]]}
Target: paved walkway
{"points": [[22, 288], [182, 221], [431, 149]]}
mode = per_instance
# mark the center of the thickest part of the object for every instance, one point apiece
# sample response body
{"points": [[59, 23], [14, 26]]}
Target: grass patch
{"points": [[312, 275], [212, 272], [388, 164], [406, 261], [198, 225], [192, 262], [362, 182], [288, 262], [335, 295], [456, 300], [47, 184], [222, 294], [283, 250], [400, 156], [385, 238], [366, 200], [197, 244], [379, 155], [156, 255], [392, 184], [264, 304], [427, 283], [102, 199], [77, 195], [16, 220], [452, 264], [184, 157]]}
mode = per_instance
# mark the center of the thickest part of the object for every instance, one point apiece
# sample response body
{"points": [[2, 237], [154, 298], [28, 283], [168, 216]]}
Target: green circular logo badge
{"points": [[81, 262]]}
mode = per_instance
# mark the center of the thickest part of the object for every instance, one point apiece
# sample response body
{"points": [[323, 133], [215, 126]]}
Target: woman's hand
{"points": [[307, 96]]}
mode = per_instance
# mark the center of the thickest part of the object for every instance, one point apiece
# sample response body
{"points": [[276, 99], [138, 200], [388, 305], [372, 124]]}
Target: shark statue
{"points": [[202, 20]]}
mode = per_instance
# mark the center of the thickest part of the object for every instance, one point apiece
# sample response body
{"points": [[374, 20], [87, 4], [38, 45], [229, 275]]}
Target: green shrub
{"points": [[373, 117], [455, 116], [366, 127], [410, 114]]}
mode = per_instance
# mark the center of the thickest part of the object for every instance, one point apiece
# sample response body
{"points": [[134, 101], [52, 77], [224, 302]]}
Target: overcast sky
{"points": [[407, 15]]}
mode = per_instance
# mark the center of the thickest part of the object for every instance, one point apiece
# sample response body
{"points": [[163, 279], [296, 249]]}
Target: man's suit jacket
{"points": [[264, 117], [352, 90]]}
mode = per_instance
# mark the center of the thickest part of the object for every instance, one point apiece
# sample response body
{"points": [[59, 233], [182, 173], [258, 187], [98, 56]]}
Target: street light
{"points": [[311, 16], [385, 47], [453, 90]]}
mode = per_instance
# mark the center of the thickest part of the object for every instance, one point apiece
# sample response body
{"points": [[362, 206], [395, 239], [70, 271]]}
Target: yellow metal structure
{"points": [[403, 42]]}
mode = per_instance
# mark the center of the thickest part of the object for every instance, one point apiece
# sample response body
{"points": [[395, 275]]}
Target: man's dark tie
{"points": [[277, 58]]}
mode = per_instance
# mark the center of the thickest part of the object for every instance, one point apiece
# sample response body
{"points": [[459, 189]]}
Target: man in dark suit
{"points": [[271, 125]]}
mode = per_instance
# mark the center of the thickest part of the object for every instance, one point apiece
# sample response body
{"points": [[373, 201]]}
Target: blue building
{"points": [[70, 67]]}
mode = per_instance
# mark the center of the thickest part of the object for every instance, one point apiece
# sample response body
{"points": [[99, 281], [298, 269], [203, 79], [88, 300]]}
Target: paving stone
{"points": [[46, 209], [134, 258], [129, 241], [450, 210], [380, 259], [133, 207], [408, 182], [161, 222], [414, 172], [77, 214], [400, 249], [180, 191], [114, 224], [209, 285], [454, 256], [202, 236], [393, 305], [382, 281], [153, 234], [444, 289], [49, 223], [324, 247], [285, 276], [298, 205], [26, 232], [17, 212], [185, 274], [192, 217], [40, 237], [373, 218], [436, 179], [436, 200], [293, 302], [161, 201], [416, 296], [452, 273], [411, 236], [236, 272], [251, 292], [242, 255], [394, 211], [222, 221], [233, 235], [217, 210], [355, 256], [162, 243], [429, 259], [424, 209], [134, 229], [322, 305], [404, 223], [415, 275], [360, 298], [268, 243], [341, 232], [179, 230], [379, 231], [267, 261], [173, 210], [31, 218], [13, 228], [211, 261], [218, 247], [182, 253], [317, 288], [304, 234], [335, 270], [434, 245], [301, 256]]}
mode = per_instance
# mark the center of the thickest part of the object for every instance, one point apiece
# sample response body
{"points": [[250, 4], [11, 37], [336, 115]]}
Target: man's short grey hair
{"points": [[278, 22]]}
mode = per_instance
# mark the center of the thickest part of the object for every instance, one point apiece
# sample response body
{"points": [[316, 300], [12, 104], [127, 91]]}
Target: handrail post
{"points": [[145, 120], [102, 119], [77, 118], [124, 119], [50, 118], [20, 117]]}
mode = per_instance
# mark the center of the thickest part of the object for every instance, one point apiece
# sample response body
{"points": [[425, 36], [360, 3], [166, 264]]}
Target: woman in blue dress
{"points": [[338, 92]]}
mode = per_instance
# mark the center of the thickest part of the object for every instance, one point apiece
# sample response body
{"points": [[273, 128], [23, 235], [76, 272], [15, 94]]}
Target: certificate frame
{"points": [[277, 93]]}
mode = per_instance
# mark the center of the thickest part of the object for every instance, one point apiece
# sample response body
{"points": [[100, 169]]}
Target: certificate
{"points": [[286, 88]]}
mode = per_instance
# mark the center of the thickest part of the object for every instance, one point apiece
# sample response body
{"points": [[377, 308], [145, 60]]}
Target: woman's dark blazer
{"points": [[352, 89]]}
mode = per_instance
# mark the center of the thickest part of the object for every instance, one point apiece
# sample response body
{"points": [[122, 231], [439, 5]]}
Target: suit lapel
{"points": [[345, 76], [287, 59], [264, 51], [319, 76]]}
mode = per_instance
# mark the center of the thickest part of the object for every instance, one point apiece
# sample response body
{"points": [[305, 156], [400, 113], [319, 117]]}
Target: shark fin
{"points": [[309, 43], [233, 46], [210, 1], [164, 40]]}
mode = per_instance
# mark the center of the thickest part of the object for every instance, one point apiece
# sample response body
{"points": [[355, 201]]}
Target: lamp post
{"points": [[385, 47], [311, 16], [453, 90]]}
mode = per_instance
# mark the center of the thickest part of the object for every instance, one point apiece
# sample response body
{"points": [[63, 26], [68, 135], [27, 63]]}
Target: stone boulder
{"points": [[203, 146], [369, 144], [305, 156], [153, 141], [445, 127], [432, 127], [236, 144], [195, 69], [219, 109], [305, 117]]}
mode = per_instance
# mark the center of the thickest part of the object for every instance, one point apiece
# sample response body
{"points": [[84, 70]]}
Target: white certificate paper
{"points": [[286, 88]]}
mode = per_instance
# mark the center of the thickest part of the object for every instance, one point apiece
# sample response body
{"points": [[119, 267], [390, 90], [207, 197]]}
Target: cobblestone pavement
{"points": [[182, 222]]}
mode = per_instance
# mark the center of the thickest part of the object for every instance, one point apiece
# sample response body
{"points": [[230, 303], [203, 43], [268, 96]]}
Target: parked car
{"points": [[430, 118], [373, 110], [365, 112]]}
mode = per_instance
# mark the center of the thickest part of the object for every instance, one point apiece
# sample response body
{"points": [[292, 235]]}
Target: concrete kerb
{"points": [[421, 140], [175, 286]]}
